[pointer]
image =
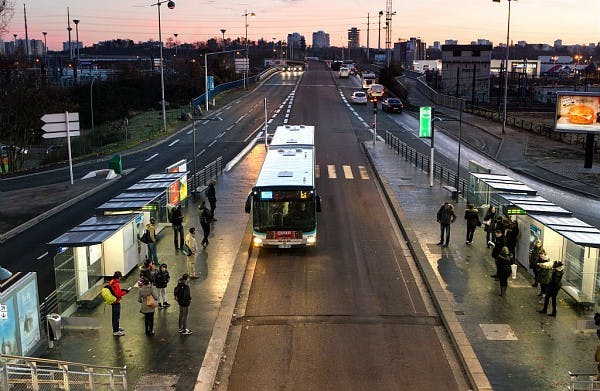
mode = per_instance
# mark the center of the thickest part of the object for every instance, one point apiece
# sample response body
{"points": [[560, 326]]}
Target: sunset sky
{"points": [[534, 21]]}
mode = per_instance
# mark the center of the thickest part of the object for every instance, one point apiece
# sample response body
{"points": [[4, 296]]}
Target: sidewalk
{"points": [[169, 358], [518, 348]]}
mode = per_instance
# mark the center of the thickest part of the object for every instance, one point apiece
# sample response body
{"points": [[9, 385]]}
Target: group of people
{"points": [[152, 295], [502, 235]]}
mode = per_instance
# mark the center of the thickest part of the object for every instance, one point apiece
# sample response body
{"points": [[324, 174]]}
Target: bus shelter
{"points": [[484, 189], [91, 251]]}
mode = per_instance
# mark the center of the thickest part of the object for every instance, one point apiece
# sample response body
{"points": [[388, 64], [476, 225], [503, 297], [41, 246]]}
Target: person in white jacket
{"points": [[190, 241]]}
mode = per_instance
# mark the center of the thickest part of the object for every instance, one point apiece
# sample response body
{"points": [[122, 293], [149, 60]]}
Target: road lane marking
{"points": [[151, 157], [241, 118], [174, 142], [230, 127], [42, 256], [211, 144], [201, 152], [347, 172], [364, 174], [190, 131], [331, 171], [219, 136]]}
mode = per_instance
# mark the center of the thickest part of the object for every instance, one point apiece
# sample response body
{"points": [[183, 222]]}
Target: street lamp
{"points": [[175, 35], [15, 48], [45, 44], [92, 103], [506, 67], [223, 32], [379, 34], [76, 21], [171, 5], [252, 14]]}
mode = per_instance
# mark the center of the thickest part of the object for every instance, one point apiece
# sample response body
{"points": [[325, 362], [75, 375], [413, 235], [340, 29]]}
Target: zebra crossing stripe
{"points": [[347, 172], [331, 171], [363, 172]]}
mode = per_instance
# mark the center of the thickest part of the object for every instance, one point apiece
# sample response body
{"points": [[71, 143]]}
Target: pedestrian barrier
{"points": [[29, 373], [199, 181], [583, 381], [446, 177]]}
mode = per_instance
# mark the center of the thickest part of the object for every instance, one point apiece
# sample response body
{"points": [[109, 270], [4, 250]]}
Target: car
{"points": [[17, 150], [344, 73], [392, 105], [375, 91], [359, 97]]}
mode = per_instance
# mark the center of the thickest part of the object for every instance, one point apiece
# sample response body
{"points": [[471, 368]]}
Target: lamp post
{"points": [[15, 48], [577, 58], [457, 178], [252, 14], [506, 70], [76, 21], [171, 5], [175, 35], [206, 92], [92, 104], [45, 45], [223, 32], [379, 34]]}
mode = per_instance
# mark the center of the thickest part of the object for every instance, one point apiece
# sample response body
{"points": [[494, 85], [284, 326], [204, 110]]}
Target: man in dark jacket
{"points": [[553, 286], [184, 298], [498, 243], [445, 216], [177, 221], [161, 280], [472, 217], [211, 195]]}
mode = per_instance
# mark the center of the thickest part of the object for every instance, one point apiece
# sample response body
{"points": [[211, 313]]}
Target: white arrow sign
{"points": [[60, 134], [60, 117], [61, 127]]}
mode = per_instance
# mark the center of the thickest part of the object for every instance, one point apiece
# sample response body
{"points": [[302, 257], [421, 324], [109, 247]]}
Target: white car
{"points": [[359, 97]]}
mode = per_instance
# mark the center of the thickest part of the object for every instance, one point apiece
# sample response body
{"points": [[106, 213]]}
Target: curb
{"points": [[463, 348]]}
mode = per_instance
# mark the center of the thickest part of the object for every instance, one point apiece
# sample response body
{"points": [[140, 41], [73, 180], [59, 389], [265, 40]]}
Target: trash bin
{"points": [[54, 333], [115, 164]]}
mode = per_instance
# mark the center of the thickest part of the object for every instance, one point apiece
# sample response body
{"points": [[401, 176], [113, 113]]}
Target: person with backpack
{"points": [[184, 298], [205, 219], [557, 270], [115, 287], [177, 221], [152, 253], [161, 279]]}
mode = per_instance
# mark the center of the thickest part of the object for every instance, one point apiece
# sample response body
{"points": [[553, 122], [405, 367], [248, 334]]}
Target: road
{"points": [[241, 119], [352, 313]]}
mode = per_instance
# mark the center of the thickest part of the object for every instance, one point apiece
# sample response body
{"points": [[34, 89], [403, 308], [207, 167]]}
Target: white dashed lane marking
{"points": [[347, 172]]}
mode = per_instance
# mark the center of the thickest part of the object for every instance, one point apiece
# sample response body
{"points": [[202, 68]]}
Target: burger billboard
{"points": [[577, 112]]}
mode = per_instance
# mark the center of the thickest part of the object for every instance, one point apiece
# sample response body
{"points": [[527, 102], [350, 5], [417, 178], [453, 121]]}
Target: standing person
{"points": [[152, 254], [190, 241], [503, 262], [161, 280], [205, 219], [498, 243], [488, 221], [534, 259], [472, 217], [145, 307], [177, 221], [512, 237], [212, 197], [445, 216], [115, 286], [184, 298], [545, 274], [554, 285]]}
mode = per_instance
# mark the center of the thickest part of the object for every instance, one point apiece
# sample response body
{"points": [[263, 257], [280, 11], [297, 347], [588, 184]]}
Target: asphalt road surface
{"points": [[352, 313]]}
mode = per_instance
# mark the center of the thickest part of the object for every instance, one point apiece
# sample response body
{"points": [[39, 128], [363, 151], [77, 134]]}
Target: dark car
{"points": [[392, 105]]}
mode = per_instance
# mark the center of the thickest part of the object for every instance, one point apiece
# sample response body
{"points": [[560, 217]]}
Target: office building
{"points": [[320, 39], [353, 38]]}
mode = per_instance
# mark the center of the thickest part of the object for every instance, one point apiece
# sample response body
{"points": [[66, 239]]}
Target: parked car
{"points": [[359, 97], [392, 105], [4, 149]]}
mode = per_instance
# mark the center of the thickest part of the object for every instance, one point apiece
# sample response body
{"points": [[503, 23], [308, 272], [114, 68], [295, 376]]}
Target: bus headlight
{"points": [[311, 240], [257, 241]]}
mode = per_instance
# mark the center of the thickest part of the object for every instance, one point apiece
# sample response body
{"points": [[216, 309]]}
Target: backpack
{"points": [[107, 294], [145, 237]]}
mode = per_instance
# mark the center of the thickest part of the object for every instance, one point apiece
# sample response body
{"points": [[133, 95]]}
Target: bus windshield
{"points": [[289, 215]]}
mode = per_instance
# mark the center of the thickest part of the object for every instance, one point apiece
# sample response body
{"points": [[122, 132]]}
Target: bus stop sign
{"points": [[425, 122]]}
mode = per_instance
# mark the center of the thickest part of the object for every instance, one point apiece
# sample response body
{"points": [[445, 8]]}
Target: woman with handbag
{"points": [[149, 302]]}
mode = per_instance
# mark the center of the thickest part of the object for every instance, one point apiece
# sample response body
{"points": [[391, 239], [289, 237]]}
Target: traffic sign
{"points": [[61, 127], [425, 122], [60, 134], [60, 117]]}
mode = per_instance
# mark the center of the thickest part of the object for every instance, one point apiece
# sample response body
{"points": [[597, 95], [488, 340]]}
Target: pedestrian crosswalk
{"points": [[345, 172]]}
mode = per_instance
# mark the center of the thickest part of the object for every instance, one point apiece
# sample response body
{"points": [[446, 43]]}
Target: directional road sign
{"points": [[60, 117], [61, 127], [61, 134]]}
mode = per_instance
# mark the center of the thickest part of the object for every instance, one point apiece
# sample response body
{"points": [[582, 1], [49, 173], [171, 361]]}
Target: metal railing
{"points": [[38, 374], [202, 177], [419, 160], [583, 381]]}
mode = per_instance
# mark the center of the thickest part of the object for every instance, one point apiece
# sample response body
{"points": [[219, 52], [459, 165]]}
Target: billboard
{"points": [[577, 112]]}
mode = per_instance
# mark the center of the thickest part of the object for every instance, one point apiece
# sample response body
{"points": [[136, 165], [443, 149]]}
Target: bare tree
{"points": [[6, 14]]}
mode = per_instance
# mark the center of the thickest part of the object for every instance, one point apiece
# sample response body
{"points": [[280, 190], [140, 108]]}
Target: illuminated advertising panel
{"points": [[29, 318], [178, 190], [577, 112]]}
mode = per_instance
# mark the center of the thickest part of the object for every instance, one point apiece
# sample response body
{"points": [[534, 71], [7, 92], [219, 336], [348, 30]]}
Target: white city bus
{"points": [[368, 78], [284, 202]]}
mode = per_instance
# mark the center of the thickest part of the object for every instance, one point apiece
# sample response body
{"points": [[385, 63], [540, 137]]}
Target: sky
{"points": [[533, 21]]}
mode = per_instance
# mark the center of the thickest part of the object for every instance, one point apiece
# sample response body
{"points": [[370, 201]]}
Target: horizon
{"points": [[275, 19]]}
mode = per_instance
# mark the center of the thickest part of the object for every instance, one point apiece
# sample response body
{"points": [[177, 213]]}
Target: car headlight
{"points": [[311, 240], [257, 241]]}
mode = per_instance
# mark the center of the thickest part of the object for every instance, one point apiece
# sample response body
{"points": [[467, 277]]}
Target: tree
{"points": [[6, 14]]}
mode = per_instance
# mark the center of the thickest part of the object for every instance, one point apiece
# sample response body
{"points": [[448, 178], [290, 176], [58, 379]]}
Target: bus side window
{"points": [[318, 203], [248, 205]]}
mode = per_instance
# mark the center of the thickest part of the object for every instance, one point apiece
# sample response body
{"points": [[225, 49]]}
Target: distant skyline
{"points": [[533, 21]]}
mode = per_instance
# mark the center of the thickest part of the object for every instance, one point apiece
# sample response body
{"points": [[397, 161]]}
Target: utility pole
{"points": [[26, 35], [368, 29], [69, 28]]}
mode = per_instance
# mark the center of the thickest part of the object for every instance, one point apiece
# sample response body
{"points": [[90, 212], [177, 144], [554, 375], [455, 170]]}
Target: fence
{"points": [[446, 177], [38, 374], [200, 179], [583, 381]]}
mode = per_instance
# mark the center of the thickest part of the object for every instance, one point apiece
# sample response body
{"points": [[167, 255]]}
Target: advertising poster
{"points": [[535, 234], [29, 319], [8, 328], [577, 112]]}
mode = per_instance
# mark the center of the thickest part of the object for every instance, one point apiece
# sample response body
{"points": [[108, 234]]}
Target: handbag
{"points": [[150, 301], [186, 250]]}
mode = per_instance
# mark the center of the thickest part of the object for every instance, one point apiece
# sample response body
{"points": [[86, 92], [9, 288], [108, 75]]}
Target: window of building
{"points": [[456, 53], [476, 53]]}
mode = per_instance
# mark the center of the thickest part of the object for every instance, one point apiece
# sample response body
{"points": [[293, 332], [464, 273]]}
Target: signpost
{"points": [[62, 125]]}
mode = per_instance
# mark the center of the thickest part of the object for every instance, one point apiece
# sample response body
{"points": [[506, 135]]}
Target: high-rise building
{"points": [[353, 38], [436, 45], [406, 52], [320, 39], [296, 43]]}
